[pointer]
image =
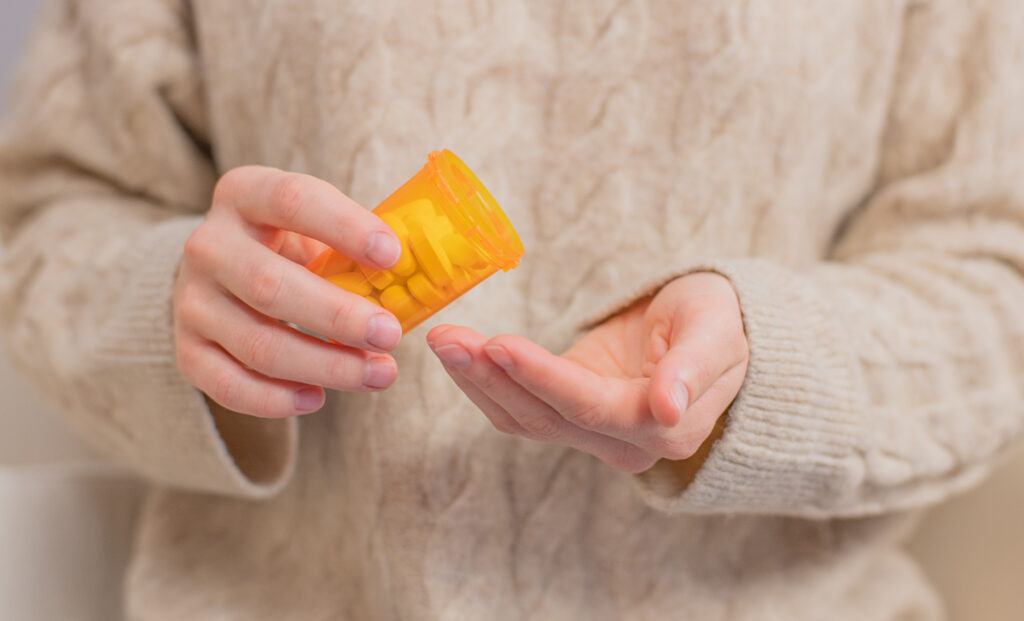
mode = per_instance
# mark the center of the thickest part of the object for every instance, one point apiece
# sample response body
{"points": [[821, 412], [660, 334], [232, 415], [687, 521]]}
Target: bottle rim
{"points": [[474, 211]]}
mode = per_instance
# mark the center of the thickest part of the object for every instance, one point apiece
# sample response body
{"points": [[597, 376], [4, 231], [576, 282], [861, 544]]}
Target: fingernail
{"points": [[308, 400], [383, 332], [379, 373], [383, 249], [680, 398], [499, 355], [454, 356]]}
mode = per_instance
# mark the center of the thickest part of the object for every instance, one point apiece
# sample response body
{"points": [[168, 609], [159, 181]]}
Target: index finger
{"points": [[608, 405], [311, 207]]}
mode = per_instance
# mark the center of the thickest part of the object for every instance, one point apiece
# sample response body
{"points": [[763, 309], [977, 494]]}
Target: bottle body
{"points": [[453, 234]]}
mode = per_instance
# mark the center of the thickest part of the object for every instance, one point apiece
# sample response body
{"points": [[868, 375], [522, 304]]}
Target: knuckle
{"points": [[343, 318], [224, 389], [189, 307], [187, 358], [700, 376], [542, 428], [198, 249], [589, 416], [264, 286], [505, 425], [264, 406], [289, 196], [344, 373], [261, 349], [488, 381]]}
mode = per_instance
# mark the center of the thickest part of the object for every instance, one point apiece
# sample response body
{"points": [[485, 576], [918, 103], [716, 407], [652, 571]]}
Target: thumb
{"points": [[702, 332]]}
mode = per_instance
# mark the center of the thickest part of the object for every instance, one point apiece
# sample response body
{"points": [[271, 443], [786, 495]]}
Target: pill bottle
{"points": [[453, 234]]}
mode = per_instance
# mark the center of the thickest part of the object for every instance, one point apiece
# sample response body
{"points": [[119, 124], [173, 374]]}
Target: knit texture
{"points": [[854, 168]]}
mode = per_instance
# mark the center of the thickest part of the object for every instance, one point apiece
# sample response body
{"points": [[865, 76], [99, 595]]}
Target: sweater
{"points": [[855, 168]]}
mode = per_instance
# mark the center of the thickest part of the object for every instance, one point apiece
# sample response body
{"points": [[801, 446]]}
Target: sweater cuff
{"points": [[794, 436], [161, 424]]}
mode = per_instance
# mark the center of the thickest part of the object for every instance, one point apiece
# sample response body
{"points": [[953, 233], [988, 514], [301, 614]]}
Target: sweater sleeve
{"points": [[890, 374], [105, 170]]}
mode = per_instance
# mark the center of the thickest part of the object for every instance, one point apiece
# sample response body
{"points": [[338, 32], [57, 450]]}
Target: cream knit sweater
{"points": [[855, 167]]}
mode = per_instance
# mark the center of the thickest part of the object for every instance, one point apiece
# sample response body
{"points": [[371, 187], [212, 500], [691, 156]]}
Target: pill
{"points": [[481, 273], [378, 278], [461, 252], [417, 220], [431, 257], [463, 280], [352, 281], [438, 225], [338, 263], [406, 263], [394, 221], [441, 225], [397, 299], [422, 206], [423, 290]]}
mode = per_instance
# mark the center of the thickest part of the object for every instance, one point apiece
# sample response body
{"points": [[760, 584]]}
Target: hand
{"points": [[648, 383], [242, 275]]}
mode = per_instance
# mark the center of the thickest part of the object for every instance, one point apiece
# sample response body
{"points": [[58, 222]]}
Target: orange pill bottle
{"points": [[453, 233]]}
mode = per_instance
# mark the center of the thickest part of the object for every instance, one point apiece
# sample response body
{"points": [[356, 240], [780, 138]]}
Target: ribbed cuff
{"points": [[794, 436], [161, 424]]}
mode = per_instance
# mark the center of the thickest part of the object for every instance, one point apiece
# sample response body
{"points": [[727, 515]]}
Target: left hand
{"points": [[648, 383]]}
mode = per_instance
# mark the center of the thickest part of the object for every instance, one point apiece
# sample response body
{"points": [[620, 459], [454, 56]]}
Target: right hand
{"points": [[242, 275]]}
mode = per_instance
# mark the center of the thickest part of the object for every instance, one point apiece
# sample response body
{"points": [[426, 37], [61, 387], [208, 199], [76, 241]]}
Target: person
{"points": [[779, 246]]}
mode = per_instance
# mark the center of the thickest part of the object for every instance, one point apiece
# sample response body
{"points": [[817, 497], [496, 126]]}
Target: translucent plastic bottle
{"points": [[453, 234]]}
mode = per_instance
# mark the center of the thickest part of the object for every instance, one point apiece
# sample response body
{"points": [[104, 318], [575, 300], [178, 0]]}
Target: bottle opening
{"points": [[474, 211]]}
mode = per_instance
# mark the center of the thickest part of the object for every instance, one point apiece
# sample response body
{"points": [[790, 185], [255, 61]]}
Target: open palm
{"points": [[648, 383]]}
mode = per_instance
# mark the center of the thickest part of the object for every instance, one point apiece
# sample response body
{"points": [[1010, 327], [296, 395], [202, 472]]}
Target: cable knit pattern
{"points": [[853, 167]]}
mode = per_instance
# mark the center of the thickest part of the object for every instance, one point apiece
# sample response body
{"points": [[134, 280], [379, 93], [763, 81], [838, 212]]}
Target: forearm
{"points": [[101, 181]]}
